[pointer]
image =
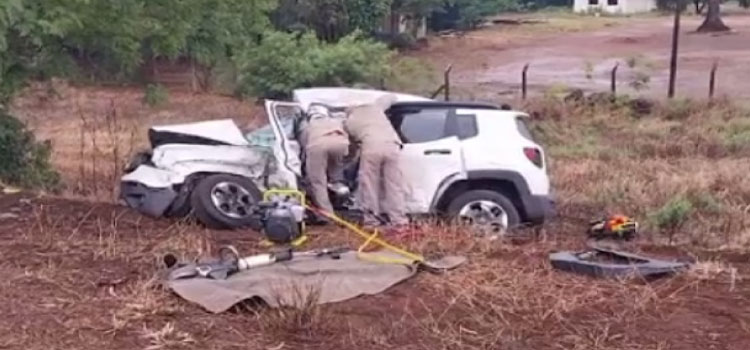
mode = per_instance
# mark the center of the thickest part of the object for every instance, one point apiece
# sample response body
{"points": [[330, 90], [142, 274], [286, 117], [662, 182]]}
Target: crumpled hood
{"points": [[213, 132]]}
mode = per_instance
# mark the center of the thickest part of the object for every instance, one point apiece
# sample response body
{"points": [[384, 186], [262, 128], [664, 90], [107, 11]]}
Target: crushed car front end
{"points": [[149, 190], [159, 182]]}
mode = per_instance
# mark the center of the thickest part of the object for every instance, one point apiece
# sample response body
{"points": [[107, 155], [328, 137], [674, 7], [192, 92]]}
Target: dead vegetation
{"points": [[678, 167]]}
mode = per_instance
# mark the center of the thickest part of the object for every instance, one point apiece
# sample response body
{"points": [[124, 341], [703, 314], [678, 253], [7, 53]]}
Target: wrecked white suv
{"points": [[461, 160]]}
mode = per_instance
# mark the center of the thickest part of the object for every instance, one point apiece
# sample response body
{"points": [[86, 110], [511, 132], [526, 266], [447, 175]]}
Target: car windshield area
{"points": [[288, 117], [261, 137]]}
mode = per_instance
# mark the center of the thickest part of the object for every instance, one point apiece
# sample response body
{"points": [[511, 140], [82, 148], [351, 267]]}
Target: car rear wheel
{"points": [[225, 201], [489, 212]]}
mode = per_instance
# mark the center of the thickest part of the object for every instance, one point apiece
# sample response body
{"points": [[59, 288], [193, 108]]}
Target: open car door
{"points": [[282, 117]]}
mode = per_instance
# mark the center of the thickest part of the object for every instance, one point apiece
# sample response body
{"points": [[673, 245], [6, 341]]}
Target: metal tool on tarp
{"points": [[230, 262]]}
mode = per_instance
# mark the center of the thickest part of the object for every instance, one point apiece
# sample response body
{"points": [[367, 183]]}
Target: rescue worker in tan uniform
{"points": [[326, 145], [380, 147]]}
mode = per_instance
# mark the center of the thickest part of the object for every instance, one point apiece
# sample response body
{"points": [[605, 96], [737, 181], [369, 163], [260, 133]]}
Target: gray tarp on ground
{"points": [[295, 283]]}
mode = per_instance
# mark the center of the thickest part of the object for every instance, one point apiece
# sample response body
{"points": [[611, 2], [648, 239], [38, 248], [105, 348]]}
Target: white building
{"points": [[621, 7]]}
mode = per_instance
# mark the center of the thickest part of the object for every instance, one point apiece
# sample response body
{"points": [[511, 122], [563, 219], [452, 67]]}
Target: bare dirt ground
{"points": [[81, 276], [580, 52]]}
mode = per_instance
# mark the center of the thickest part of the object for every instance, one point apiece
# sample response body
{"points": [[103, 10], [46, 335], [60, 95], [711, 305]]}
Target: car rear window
{"points": [[523, 129]]}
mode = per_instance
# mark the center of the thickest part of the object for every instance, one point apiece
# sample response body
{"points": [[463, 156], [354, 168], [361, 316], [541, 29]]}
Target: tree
{"points": [[367, 15], [109, 41], [283, 62], [468, 14], [222, 28], [331, 19], [713, 22], [31, 36]]}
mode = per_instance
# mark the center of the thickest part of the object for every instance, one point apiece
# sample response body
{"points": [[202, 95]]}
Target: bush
{"points": [[673, 215], [23, 160], [412, 75], [155, 95], [283, 62]]}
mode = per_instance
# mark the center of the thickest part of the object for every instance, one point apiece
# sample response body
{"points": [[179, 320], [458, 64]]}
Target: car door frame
{"points": [[288, 160]]}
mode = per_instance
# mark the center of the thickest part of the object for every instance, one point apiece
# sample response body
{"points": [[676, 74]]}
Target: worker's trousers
{"points": [[324, 163], [380, 177]]}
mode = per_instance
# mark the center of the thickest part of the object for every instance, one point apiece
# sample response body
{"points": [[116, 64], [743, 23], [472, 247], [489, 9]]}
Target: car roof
{"points": [[450, 104], [339, 97], [505, 110], [345, 97]]}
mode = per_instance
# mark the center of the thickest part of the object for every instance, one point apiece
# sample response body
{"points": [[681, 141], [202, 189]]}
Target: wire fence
{"points": [[614, 81]]}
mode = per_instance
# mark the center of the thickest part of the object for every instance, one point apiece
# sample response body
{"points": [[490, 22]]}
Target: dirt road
{"points": [[489, 62]]}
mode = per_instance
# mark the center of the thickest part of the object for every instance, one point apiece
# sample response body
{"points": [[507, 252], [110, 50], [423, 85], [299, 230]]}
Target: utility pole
{"points": [[675, 45]]}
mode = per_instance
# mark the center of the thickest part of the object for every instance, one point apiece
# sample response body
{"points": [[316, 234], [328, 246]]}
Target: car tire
{"points": [[484, 198], [236, 195]]}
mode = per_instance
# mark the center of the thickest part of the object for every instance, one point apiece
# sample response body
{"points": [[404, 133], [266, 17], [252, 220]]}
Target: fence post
{"points": [[613, 85], [675, 45], [712, 80], [447, 82], [524, 81]]}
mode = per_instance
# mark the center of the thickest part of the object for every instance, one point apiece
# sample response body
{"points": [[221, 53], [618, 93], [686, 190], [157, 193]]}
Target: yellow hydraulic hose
{"points": [[409, 258]]}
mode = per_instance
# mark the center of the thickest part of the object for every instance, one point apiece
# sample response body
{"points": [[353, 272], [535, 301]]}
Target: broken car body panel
{"points": [[223, 131], [607, 263]]}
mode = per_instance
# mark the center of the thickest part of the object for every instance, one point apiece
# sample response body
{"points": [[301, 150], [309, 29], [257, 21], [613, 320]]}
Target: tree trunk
{"points": [[713, 22], [193, 76]]}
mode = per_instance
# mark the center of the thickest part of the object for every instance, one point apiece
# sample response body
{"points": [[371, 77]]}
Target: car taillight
{"points": [[534, 155]]}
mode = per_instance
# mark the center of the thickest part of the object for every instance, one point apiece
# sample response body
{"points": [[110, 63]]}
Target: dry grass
{"points": [[606, 159], [141, 300], [168, 337], [507, 296], [299, 320], [523, 303]]}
